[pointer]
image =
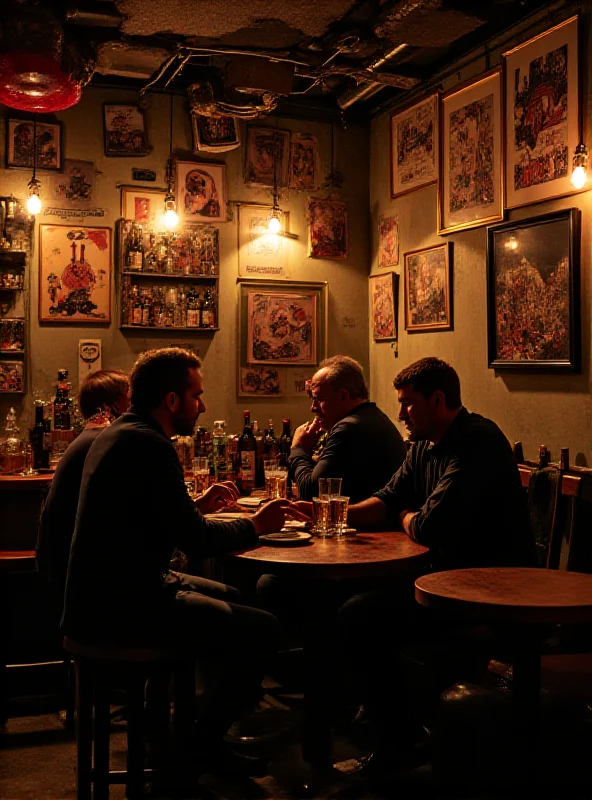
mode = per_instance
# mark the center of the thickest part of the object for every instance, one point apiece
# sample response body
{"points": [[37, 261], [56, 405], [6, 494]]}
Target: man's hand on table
{"points": [[307, 435], [272, 516], [217, 497]]}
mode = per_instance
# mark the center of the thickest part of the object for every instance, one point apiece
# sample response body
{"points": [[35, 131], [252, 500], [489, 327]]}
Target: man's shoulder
{"points": [[478, 425], [367, 415]]}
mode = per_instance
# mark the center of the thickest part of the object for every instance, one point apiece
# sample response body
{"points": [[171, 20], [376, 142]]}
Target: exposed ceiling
{"points": [[310, 57]]}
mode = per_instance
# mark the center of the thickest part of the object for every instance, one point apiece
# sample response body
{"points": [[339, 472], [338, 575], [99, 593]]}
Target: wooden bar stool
{"points": [[97, 667]]}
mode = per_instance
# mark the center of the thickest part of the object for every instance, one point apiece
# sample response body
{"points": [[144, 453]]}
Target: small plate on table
{"points": [[285, 538], [249, 502]]}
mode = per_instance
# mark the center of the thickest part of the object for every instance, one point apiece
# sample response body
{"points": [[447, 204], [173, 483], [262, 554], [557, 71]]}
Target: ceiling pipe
{"points": [[366, 90]]}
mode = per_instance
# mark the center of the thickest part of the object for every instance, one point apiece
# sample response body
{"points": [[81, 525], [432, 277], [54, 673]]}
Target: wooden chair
{"points": [[98, 667]]}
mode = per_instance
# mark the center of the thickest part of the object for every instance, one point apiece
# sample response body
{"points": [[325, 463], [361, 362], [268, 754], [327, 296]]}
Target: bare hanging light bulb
{"points": [[579, 175], [34, 204], [171, 218], [274, 225]]}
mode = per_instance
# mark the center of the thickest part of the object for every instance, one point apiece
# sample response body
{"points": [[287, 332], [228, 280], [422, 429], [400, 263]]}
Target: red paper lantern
{"points": [[35, 82]]}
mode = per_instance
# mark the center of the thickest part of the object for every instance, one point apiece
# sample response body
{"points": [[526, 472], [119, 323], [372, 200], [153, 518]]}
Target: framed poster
{"points": [[214, 134], [542, 115], [124, 130], [265, 146], [19, 144], [74, 274], [384, 300], [12, 376], [201, 191], [470, 191], [144, 206], [388, 242], [261, 381], [74, 187], [282, 323], [533, 291], [304, 166], [428, 289], [414, 147], [327, 229], [261, 254]]}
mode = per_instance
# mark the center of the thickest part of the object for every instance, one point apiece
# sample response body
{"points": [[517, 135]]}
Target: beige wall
{"points": [[53, 346], [555, 410]]}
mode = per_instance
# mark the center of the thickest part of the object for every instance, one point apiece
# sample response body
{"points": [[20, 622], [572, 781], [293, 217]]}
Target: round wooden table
{"points": [[366, 555], [522, 602]]}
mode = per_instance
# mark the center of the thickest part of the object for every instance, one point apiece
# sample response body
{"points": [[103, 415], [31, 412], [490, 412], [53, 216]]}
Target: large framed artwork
{"points": [[327, 228], [304, 162], [144, 206], [74, 274], [414, 147], [125, 130], [256, 381], [388, 242], [384, 301], [262, 254], [542, 113], [267, 153], [470, 192], [214, 134], [428, 289], [282, 323], [201, 191], [533, 291], [19, 144]]}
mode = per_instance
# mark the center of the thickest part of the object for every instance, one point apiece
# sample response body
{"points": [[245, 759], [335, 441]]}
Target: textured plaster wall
{"points": [[53, 345], [555, 410]]}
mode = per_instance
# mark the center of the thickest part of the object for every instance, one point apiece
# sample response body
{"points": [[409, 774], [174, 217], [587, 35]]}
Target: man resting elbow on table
{"points": [[458, 492]]}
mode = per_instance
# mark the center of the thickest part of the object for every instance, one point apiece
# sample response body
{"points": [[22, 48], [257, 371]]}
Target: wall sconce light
{"points": [[34, 204], [579, 175], [171, 218]]}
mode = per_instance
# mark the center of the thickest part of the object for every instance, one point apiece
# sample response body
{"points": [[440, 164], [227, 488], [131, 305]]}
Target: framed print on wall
{"points": [[327, 229], [533, 290], [388, 242], [261, 381], [282, 323], [542, 115], [414, 147], [144, 206], [74, 187], [214, 134], [262, 254], [19, 144], [265, 146], [384, 301], [125, 130], [470, 191], [74, 274], [428, 289], [201, 191]]}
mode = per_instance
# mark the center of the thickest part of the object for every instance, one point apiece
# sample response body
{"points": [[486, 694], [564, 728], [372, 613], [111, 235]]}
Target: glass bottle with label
{"points": [[193, 314], [247, 448], [285, 445], [270, 443], [37, 438], [259, 441], [62, 403], [220, 447]]}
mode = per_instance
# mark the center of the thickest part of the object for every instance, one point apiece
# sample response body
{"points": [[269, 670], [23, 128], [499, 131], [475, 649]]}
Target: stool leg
{"points": [[101, 735], [84, 707], [135, 736]]}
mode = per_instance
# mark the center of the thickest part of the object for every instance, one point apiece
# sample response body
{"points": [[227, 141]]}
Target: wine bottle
{"points": [[247, 448]]}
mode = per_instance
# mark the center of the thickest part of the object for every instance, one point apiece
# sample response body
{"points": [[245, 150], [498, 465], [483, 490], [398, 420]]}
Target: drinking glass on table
{"points": [[321, 517], [201, 473], [270, 466], [279, 483], [338, 506], [328, 487]]}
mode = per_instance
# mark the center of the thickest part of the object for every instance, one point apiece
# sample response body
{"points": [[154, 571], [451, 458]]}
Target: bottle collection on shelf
{"points": [[193, 252], [169, 306]]}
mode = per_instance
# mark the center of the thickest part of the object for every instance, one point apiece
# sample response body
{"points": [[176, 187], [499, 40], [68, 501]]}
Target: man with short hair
{"points": [[363, 447], [133, 511]]}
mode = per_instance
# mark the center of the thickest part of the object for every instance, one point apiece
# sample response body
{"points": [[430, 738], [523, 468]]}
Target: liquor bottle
{"points": [[259, 441], [270, 443], [146, 308], [11, 457], [208, 315], [285, 445], [193, 314], [36, 437], [136, 304], [247, 449], [220, 447], [61, 403], [180, 312], [135, 249], [151, 257]]}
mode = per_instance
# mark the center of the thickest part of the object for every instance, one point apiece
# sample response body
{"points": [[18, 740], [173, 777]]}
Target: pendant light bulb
{"points": [[34, 204], [579, 175], [171, 218], [274, 225]]}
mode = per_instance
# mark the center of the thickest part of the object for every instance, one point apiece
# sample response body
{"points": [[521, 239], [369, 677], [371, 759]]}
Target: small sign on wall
{"points": [[89, 357]]}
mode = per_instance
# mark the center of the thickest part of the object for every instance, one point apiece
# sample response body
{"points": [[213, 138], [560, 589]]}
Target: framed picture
{"points": [[261, 382], [12, 376], [125, 130], [542, 114], [214, 134], [75, 186], [384, 300], [261, 254], [327, 229], [265, 146], [19, 144], [428, 289], [414, 147], [201, 191], [74, 274], [533, 291], [388, 242], [470, 191], [298, 382], [304, 162], [282, 323], [144, 206]]}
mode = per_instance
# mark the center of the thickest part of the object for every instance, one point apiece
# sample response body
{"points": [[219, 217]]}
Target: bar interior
{"points": [[295, 441]]}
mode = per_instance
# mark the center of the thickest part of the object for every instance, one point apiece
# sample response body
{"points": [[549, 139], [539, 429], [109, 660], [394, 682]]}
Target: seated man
{"points": [[133, 511], [363, 447], [459, 493]]}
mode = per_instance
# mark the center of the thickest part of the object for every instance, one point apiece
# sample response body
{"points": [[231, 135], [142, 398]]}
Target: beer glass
{"points": [[338, 509], [201, 473], [280, 483], [329, 487], [321, 510], [270, 466]]}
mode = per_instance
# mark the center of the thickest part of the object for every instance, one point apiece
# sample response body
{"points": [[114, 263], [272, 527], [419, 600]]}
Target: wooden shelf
{"points": [[170, 329], [175, 276], [7, 352]]}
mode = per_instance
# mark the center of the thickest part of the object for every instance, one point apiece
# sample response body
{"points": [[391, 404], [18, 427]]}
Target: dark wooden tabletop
{"points": [[26, 481], [508, 595], [362, 556]]}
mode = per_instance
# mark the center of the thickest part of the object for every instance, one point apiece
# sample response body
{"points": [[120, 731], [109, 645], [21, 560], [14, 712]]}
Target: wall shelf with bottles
{"points": [[168, 281]]}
